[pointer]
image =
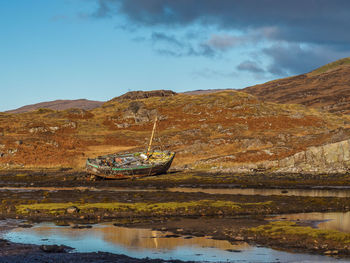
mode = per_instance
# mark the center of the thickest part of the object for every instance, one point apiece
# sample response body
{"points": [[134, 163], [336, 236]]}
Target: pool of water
{"points": [[141, 243], [329, 221], [232, 191], [267, 191]]}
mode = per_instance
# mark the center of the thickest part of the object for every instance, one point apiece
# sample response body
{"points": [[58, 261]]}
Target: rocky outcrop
{"points": [[139, 113], [332, 158], [137, 95], [42, 129], [329, 158]]}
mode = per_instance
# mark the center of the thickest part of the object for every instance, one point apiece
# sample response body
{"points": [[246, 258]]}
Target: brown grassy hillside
{"points": [[327, 87], [218, 129], [59, 105]]}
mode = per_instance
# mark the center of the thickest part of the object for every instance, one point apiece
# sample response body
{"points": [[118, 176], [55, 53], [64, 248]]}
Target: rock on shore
{"points": [[329, 158]]}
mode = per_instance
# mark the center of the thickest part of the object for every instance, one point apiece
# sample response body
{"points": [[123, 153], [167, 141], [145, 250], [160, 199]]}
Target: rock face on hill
{"points": [[331, 158], [60, 105], [136, 95], [328, 158], [327, 88]]}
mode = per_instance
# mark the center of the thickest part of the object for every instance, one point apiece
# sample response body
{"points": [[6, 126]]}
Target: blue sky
{"points": [[99, 49]]}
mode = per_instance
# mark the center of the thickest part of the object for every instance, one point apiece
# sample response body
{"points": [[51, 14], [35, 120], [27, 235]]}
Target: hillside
{"points": [[59, 105], [218, 130], [327, 87]]}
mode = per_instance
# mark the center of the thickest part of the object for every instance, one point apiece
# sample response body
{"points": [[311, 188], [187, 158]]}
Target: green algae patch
{"points": [[280, 229], [50, 207], [132, 207], [21, 175]]}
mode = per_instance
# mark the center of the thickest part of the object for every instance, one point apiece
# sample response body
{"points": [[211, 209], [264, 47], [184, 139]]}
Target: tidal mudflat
{"points": [[167, 216]]}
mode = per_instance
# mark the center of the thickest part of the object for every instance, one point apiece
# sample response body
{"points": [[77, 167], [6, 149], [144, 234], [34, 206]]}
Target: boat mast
{"points": [[150, 141]]}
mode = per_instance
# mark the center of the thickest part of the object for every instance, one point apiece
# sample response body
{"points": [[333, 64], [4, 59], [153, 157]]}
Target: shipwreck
{"points": [[131, 165]]}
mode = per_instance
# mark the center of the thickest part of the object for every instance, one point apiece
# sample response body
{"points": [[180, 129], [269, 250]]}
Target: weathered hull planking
{"points": [[111, 172]]}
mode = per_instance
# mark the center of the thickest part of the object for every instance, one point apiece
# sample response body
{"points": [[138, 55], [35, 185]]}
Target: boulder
{"points": [[54, 248], [72, 210], [19, 142]]}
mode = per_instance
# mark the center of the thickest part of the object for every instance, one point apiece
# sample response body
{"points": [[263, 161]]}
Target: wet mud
{"points": [[19, 253], [72, 178]]}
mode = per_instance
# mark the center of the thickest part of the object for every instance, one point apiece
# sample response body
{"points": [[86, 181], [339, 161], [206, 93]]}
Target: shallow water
{"points": [[232, 191], [328, 221], [7, 225], [267, 191], [141, 243]]}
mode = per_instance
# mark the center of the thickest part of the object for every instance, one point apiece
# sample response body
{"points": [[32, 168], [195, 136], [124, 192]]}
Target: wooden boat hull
{"points": [[121, 173]]}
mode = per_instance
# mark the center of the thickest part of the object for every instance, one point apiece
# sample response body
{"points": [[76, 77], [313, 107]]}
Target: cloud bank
{"points": [[294, 36]]}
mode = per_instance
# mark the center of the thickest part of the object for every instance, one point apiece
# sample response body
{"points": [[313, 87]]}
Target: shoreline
{"points": [[162, 209]]}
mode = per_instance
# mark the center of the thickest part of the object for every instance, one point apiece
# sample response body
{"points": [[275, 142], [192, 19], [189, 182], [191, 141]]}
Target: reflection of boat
{"points": [[129, 165]]}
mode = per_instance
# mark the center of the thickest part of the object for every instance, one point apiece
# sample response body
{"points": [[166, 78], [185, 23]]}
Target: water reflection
{"points": [[138, 243], [141, 243], [134, 238], [232, 191], [330, 221], [267, 192]]}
